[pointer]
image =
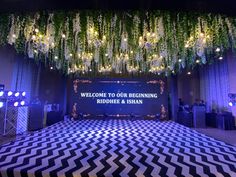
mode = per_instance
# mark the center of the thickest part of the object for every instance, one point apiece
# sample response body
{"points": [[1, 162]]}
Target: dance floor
{"points": [[117, 148]]}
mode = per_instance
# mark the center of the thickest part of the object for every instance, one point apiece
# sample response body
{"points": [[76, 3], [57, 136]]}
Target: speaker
{"points": [[36, 116], [54, 117]]}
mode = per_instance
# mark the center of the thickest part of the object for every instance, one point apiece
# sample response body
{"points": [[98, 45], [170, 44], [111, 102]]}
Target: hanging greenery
{"points": [[119, 42]]}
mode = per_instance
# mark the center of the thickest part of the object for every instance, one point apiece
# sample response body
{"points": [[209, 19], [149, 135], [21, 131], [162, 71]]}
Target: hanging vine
{"points": [[120, 42]]}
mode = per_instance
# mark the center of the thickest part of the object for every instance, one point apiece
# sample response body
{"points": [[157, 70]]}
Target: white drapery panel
{"points": [[214, 85]]}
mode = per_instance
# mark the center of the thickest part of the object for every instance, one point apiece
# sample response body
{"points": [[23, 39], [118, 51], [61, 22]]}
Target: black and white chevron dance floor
{"points": [[117, 148]]}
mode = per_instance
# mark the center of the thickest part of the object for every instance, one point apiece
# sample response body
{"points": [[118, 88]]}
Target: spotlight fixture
{"points": [[17, 94], [230, 103], [1, 93], [63, 35], [51, 68], [9, 93], [180, 60], [189, 73], [197, 61], [220, 58], [1, 104], [22, 103], [16, 104], [23, 93]]}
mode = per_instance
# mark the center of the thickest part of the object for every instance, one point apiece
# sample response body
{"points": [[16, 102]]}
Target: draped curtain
{"points": [[214, 86], [25, 77]]}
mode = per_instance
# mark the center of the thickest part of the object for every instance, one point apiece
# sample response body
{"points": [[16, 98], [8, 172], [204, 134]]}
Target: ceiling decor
{"points": [[119, 42]]}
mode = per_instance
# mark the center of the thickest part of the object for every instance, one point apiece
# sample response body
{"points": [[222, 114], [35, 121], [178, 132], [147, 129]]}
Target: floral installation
{"points": [[127, 42], [163, 114]]}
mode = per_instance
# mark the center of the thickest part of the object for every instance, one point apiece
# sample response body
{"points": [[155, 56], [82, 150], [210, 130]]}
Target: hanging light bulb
{"points": [[33, 37], [217, 49], [201, 34]]}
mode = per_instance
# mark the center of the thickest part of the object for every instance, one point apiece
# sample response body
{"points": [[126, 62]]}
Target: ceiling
{"points": [[215, 6]]}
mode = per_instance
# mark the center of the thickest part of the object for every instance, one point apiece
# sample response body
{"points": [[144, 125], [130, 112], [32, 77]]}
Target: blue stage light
{"points": [[17, 94], [16, 104], [1, 104], [22, 103], [1, 93], [23, 94], [9, 93]]}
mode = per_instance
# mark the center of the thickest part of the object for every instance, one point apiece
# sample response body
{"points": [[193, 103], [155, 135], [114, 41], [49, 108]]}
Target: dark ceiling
{"points": [[215, 6]]}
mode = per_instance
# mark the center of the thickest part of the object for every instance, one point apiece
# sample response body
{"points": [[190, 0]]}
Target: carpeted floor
{"points": [[117, 148]]}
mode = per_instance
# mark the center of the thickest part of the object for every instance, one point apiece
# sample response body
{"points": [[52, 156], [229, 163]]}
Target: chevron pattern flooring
{"points": [[117, 147]]}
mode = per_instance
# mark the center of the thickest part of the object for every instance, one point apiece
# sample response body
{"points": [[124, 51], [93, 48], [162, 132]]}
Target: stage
{"points": [[117, 147]]}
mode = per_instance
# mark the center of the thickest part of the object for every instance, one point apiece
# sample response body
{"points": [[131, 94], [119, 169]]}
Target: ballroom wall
{"points": [[189, 86], [231, 60]]}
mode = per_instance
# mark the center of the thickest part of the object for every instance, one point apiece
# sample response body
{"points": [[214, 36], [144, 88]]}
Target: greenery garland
{"points": [[119, 42]]}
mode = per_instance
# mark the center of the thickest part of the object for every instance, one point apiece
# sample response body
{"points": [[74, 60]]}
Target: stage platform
{"points": [[116, 147]]}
